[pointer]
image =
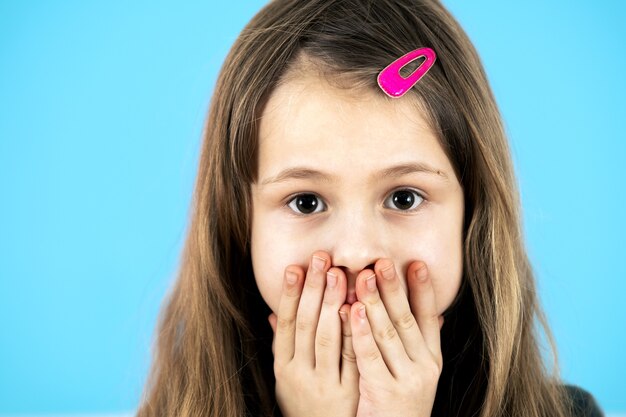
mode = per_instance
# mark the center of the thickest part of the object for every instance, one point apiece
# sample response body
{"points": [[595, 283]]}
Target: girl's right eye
{"points": [[306, 204]]}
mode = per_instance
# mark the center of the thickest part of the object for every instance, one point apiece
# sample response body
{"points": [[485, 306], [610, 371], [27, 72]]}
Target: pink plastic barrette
{"points": [[394, 84]]}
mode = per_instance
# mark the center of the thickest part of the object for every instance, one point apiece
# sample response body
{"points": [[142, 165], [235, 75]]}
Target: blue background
{"points": [[101, 112]]}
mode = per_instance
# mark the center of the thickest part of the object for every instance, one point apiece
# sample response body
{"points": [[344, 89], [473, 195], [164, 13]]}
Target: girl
{"points": [[379, 236]]}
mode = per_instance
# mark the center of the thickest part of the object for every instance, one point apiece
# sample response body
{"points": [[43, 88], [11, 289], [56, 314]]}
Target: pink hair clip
{"points": [[394, 84]]}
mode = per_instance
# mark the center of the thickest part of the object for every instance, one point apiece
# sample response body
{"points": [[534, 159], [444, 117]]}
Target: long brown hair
{"points": [[212, 354]]}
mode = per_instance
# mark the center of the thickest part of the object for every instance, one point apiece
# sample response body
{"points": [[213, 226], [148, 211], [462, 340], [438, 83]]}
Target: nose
{"points": [[358, 241]]}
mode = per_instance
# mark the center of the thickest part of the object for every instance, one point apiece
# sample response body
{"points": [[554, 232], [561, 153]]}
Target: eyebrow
{"points": [[303, 173]]}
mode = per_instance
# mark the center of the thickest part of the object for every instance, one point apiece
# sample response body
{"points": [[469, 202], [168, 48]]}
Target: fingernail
{"points": [[343, 315], [318, 263], [331, 279], [422, 273], [388, 272], [371, 283], [291, 277], [361, 312]]}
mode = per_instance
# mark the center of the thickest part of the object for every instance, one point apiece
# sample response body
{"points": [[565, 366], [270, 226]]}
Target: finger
{"points": [[328, 335], [369, 359], [349, 369], [385, 333], [397, 304], [284, 337], [424, 306], [272, 321], [310, 306]]}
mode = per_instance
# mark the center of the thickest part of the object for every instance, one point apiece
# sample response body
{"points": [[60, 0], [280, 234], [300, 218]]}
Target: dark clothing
{"points": [[583, 403]]}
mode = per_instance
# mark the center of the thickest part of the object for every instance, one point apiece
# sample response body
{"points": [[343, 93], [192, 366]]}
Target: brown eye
{"points": [[404, 200], [306, 204]]}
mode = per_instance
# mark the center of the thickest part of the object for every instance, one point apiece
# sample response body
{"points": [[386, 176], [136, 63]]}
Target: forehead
{"points": [[307, 120]]}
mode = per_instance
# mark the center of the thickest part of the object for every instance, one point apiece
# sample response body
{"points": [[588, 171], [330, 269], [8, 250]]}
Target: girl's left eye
{"points": [[306, 204], [404, 200]]}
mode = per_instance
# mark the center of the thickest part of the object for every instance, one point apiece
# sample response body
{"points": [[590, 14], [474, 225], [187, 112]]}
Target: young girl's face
{"points": [[361, 177]]}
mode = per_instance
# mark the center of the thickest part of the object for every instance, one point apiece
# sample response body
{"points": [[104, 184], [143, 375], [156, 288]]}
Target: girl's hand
{"points": [[399, 358], [314, 365]]}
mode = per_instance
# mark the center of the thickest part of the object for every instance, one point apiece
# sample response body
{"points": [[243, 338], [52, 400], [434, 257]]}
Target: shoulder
{"points": [[583, 403]]}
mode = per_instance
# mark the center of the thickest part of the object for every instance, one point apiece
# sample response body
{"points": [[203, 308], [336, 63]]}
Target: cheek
{"points": [[267, 271], [447, 266], [442, 251], [272, 250], [269, 284]]}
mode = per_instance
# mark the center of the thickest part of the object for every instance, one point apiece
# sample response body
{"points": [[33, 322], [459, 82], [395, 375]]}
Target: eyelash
{"points": [[293, 198]]}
